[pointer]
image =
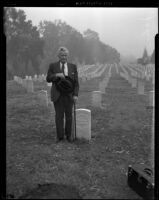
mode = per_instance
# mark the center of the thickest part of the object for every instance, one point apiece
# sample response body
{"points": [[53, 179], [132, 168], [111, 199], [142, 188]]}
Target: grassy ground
{"points": [[121, 135]]}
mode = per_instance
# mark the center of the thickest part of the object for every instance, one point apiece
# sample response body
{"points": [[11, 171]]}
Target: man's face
{"points": [[63, 57]]}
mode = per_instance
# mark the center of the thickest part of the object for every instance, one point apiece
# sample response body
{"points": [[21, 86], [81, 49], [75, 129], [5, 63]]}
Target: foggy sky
{"points": [[129, 30]]}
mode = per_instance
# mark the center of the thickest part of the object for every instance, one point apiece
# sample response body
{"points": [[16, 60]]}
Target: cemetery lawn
{"points": [[121, 135]]}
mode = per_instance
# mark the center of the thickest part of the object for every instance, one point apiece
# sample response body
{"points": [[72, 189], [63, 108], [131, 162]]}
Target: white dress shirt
{"points": [[65, 68]]}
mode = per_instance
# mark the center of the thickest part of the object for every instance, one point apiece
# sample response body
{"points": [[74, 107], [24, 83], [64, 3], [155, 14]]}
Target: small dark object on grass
{"points": [[10, 196], [52, 191]]}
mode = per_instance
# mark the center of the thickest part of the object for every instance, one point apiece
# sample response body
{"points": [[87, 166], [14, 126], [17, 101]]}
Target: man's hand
{"points": [[60, 75], [75, 98]]}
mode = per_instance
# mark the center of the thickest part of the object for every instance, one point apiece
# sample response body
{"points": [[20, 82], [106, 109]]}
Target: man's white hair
{"points": [[62, 49]]}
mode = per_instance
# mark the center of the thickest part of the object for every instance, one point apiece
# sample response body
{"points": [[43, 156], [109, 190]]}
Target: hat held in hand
{"points": [[65, 85]]}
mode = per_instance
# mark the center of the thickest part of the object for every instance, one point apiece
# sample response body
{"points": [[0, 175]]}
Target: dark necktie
{"points": [[63, 68]]}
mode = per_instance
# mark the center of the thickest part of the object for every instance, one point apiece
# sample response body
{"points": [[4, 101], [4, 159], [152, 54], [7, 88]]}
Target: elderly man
{"points": [[63, 102]]}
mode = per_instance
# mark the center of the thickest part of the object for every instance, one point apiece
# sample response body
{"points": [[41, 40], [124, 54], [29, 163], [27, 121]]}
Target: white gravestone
{"points": [[43, 97], [15, 78], [96, 98], [49, 84], [83, 124], [151, 98], [29, 78], [141, 87], [35, 77], [43, 77], [26, 77], [30, 86]]}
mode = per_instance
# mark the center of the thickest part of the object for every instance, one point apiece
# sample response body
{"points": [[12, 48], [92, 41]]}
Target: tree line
{"points": [[30, 49]]}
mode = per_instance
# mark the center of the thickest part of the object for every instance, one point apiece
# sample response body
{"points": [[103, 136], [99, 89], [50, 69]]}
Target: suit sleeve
{"points": [[51, 76], [76, 86]]}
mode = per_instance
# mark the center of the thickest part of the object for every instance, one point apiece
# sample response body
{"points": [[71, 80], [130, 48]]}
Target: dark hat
{"points": [[65, 85]]}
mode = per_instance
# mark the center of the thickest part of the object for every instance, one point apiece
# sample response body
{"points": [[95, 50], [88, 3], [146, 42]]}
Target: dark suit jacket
{"points": [[72, 73]]}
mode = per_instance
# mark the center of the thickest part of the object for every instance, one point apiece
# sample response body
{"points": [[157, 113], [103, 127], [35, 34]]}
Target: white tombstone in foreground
{"points": [[151, 98], [141, 87], [83, 124], [43, 97], [96, 98], [26, 77]]}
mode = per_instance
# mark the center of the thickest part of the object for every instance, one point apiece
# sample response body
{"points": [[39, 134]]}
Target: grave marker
{"points": [[43, 97], [49, 84], [83, 124]]}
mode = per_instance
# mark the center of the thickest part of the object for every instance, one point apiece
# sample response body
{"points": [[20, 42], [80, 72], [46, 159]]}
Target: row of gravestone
{"points": [[144, 72], [36, 77], [28, 84], [89, 73], [83, 116], [137, 82]]}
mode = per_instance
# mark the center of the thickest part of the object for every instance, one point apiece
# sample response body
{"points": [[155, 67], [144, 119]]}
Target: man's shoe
{"points": [[59, 140], [69, 139]]}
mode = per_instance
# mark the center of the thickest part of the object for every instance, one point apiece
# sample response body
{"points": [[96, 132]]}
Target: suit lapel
{"points": [[58, 67], [69, 69]]}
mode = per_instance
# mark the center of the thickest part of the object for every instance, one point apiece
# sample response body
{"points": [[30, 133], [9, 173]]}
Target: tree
{"points": [[23, 41], [86, 48], [90, 34], [145, 58], [152, 58]]}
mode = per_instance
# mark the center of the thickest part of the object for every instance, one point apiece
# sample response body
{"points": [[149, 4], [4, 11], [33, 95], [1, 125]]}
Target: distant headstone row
{"points": [[137, 75], [28, 84]]}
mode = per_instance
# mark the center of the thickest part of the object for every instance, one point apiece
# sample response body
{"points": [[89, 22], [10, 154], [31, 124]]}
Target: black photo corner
{"points": [[3, 77]]}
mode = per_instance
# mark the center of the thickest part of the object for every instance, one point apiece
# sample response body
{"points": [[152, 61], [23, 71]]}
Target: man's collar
{"points": [[64, 63]]}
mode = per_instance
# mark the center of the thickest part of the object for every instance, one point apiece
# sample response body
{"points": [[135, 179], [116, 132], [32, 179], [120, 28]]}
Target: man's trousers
{"points": [[63, 106]]}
